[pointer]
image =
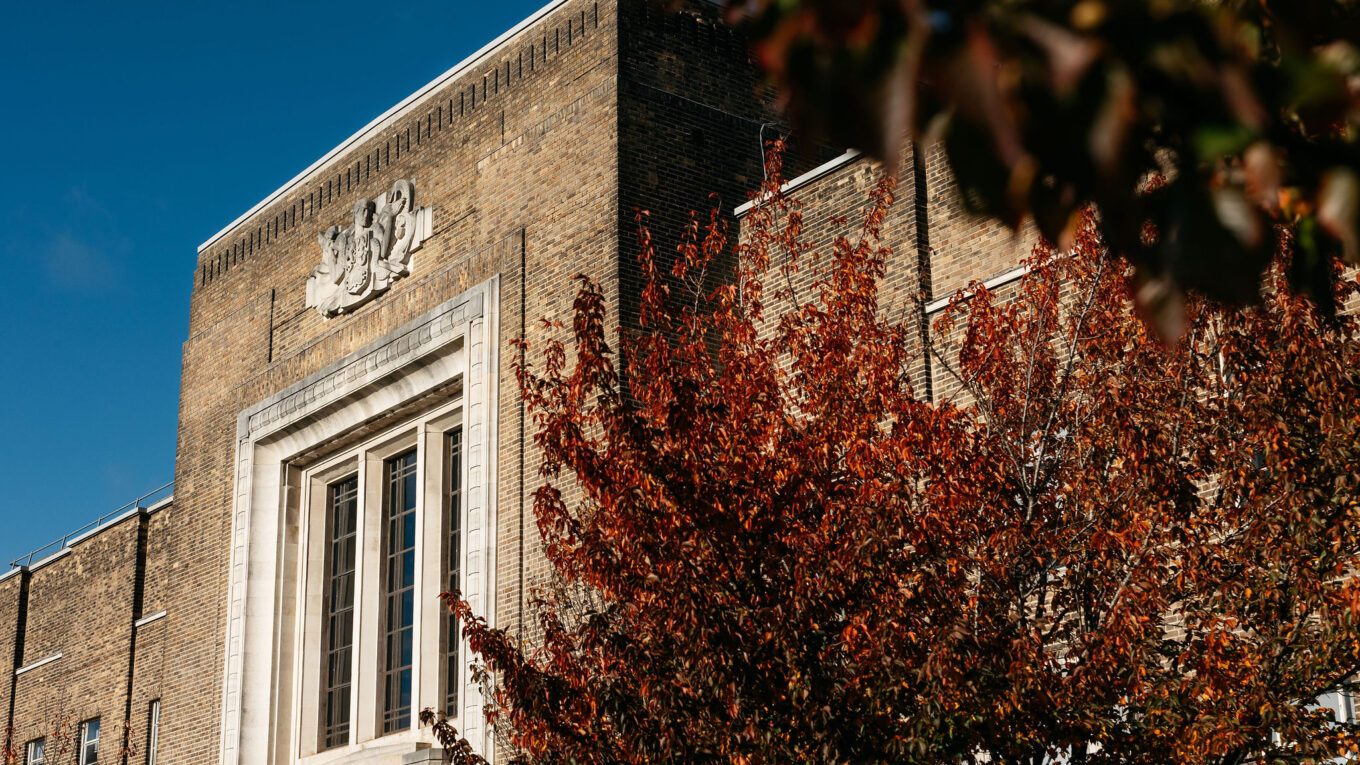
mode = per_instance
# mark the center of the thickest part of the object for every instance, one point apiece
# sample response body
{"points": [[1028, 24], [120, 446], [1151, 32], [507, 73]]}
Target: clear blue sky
{"points": [[133, 131]]}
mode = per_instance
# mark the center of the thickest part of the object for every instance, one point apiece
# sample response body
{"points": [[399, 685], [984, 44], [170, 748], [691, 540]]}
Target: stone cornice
{"points": [[408, 343]]}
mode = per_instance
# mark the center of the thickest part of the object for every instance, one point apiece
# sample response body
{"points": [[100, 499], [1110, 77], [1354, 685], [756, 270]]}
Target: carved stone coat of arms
{"points": [[360, 262]]}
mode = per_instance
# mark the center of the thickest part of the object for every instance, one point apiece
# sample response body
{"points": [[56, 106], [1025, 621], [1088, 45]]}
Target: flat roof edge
{"points": [[65, 545], [386, 118]]}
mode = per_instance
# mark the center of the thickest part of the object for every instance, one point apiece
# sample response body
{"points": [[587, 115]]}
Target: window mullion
{"points": [[367, 610], [422, 471]]}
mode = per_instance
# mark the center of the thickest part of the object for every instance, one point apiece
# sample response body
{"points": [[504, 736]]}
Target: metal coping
{"points": [[149, 502]]}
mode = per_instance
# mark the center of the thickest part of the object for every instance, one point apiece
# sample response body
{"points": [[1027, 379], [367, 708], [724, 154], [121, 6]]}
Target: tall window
{"points": [[37, 752], [399, 580], [453, 501], [89, 742], [382, 531], [342, 506], [153, 731]]}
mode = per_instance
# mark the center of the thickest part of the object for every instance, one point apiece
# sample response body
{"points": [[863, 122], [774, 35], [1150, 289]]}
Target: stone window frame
{"points": [[453, 347], [426, 434]]}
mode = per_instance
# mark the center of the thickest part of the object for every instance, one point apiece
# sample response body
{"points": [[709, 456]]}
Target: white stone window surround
{"points": [[458, 339]]}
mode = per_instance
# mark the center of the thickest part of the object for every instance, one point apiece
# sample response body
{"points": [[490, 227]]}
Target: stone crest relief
{"points": [[360, 262]]}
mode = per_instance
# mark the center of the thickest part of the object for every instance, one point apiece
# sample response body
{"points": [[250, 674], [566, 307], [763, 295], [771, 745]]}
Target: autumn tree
{"points": [[1097, 548], [1251, 107]]}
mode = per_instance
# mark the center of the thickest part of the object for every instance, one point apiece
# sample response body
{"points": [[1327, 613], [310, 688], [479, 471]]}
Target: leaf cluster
{"points": [[771, 548], [1249, 107]]}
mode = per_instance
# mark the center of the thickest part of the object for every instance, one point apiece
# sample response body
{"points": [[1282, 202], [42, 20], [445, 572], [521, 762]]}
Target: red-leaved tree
{"points": [[1096, 549]]}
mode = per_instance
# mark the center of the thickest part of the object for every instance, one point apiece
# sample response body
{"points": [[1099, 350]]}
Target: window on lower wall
{"points": [[88, 753], [36, 752], [1342, 704], [153, 731], [384, 536]]}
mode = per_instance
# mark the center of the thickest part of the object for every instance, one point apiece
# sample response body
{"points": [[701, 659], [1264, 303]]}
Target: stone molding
{"points": [[457, 338], [149, 619], [39, 663], [408, 343]]}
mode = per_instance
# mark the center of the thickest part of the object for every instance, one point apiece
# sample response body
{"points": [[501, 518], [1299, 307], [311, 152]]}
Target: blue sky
{"points": [[134, 131]]}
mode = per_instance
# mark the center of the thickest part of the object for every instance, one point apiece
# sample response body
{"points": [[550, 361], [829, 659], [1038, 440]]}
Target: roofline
{"points": [[386, 118], [66, 544]]}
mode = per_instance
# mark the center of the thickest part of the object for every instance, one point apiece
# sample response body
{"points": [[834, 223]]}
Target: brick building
{"points": [[351, 442]]}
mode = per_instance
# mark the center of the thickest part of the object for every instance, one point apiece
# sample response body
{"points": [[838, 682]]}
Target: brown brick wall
{"points": [[81, 604], [690, 128], [834, 206], [937, 246], [13, 594], [964, 246]]}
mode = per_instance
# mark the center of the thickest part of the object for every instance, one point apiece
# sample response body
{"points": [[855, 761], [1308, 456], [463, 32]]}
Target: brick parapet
{"points": [[69, 651]]}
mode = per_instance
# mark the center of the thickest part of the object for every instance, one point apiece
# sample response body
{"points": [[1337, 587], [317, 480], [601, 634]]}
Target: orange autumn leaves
{"points": [[769, 546]]}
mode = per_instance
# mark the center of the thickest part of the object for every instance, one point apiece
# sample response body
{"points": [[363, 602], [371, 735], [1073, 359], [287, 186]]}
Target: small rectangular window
{"points": [[89, 742], [153, 731], [37, 752], [453, 503], [398, 587], [342, 520]]}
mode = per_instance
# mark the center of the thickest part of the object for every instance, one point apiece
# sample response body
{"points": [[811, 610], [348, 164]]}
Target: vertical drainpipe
{"points": [[523, 429], [138, 596], [20, 631], [923, 260]]}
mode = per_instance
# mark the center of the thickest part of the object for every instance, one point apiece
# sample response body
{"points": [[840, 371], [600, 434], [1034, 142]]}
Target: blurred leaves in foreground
{"points": [[1247, 109]]}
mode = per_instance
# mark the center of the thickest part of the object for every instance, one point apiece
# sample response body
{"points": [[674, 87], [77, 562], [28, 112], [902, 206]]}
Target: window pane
{"points": [[453, 502], [37, 752], [89, 742], [153, 727], [342, 516], [399, 550]]}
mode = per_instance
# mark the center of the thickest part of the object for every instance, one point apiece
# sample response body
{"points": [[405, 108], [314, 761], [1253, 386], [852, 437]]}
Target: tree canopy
{"points": [[1099, 548], [1249, 107]]}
